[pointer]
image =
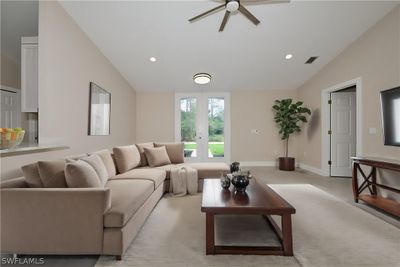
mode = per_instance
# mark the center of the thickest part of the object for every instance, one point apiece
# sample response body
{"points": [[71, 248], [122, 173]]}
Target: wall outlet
{"points": [[254, 131], [372, 130]]}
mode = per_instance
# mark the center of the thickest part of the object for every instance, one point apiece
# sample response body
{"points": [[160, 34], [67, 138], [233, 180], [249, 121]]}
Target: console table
{"points": [[370, 183]]}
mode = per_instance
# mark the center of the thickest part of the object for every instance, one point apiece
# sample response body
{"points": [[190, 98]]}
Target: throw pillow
{"points": [[108, 161], [143, 159], [174, 150], [80, 174], [98, 165], [157, 156], [31, 174], [126, 157], [52, 173]]}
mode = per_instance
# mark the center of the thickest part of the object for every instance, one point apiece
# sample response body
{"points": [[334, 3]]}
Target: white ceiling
{"points": [[18, 18], [242, 57]]}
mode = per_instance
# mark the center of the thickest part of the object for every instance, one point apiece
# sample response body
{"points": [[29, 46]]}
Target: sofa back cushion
{"points": [[126, 157], [174, 150], [81, 174], [52, 173], [31, 174], [143, 159], [157, 156], [97, 164], [108, 161], [75, 157]]}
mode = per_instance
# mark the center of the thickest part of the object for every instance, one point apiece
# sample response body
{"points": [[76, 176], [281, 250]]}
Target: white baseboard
{"points": [[312, 169], [274, 164], [258, 163]]}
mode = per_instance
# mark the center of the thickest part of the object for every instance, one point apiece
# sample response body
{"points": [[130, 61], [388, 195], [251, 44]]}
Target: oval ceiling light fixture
{"points": [[232, 5], [288, 56], [202, 78], [152, 59]]}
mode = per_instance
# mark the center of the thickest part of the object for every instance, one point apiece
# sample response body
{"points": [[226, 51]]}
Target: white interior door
{"points": [[202, 122], [343, 132], [10, 116]]}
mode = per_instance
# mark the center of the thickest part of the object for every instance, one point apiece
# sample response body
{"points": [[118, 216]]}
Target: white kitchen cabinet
{"points": [[29, 74]]}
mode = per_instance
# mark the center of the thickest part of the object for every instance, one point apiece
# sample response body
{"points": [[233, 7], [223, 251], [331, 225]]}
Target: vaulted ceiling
{"points": [[242, 57]]}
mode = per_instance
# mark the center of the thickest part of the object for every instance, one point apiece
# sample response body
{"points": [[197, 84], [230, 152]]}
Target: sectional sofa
{"points": [[40, 216]]}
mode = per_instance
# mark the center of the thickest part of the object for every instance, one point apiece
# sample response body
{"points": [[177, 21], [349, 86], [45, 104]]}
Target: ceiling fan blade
{"points": [[207, 12], [248, 15], [263, 2], [224, 21]]}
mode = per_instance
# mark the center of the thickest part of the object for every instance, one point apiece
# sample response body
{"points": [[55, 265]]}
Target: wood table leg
{"points": [[287, 235], [355, 182], [210, 245], [373, 173]]}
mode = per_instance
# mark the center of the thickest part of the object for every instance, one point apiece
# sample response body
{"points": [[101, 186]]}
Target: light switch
{"points": [[372, 130], [255, 131]]}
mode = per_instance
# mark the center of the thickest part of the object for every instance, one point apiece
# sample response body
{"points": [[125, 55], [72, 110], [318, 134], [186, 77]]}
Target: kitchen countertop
{"points": [[29, 149]]}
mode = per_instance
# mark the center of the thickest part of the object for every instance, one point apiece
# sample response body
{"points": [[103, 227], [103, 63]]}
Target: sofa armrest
{"points": [[53, 220]]}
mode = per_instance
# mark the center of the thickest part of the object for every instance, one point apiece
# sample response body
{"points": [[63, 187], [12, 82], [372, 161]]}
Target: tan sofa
{"points": [[85, 220]]}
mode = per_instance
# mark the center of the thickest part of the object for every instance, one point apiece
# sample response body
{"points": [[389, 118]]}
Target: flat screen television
{"points": [[390, 104]]}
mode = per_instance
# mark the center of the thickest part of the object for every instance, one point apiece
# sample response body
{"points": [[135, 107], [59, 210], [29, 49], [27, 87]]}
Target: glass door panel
{"points": [[202, 123], [216, 127], [188, 132]]}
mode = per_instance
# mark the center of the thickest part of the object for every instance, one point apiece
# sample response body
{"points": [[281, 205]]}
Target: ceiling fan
{"points": [[231, 6]]}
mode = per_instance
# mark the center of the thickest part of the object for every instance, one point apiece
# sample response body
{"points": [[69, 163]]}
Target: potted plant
{"points": [[289, 116]]}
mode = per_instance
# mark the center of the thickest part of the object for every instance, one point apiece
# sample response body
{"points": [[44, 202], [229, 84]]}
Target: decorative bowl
{"points": [[240, 182], [225, 182], [10, 138]]}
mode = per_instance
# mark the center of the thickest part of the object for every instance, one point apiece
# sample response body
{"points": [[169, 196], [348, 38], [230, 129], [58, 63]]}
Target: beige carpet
{"points": [[327, 232]]}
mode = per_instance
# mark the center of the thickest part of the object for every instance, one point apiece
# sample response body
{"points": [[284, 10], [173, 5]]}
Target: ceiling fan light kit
{"points": [[231, 6], [202, 78]]}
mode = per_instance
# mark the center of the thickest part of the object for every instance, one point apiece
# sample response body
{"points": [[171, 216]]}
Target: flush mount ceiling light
{"points": [[288, 56], [202, 78], [152, 59]]}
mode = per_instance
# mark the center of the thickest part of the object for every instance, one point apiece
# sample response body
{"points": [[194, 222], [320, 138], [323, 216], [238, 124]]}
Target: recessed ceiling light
{"points": [[153, 59], [288, 56], [202, 78]]}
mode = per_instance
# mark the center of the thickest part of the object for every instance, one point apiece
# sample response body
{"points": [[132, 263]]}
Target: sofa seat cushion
{"points": [[210, 169], [167, 168], [157, 176], [127, 196]]}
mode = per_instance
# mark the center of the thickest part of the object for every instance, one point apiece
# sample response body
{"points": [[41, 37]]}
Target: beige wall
{"points": [[68, 61], [155, 120], [375, 57], [10, 72], [155, 117], [253, 110]]}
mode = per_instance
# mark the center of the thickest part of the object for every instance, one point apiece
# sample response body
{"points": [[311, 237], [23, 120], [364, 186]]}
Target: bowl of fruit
{"points": [[11, 137]]}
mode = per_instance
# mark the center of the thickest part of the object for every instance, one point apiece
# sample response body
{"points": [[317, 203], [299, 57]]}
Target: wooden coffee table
{"points": [[259, 199]]}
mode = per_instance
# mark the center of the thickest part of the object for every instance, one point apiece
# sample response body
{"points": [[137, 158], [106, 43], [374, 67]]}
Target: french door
{"points": [[202, 122]]}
